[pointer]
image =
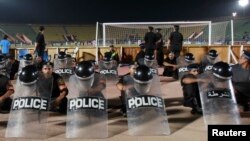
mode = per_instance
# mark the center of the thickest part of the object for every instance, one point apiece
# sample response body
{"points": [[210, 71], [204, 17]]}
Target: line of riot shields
{"points": [[89, 91], [216, 91]]}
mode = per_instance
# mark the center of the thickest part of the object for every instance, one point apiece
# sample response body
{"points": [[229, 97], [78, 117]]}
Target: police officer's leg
{"points": [[123, 101], [243, 100], [175, 74], [40, 53], [63, 106], [196, 104], [160, 57], [6, 105]]}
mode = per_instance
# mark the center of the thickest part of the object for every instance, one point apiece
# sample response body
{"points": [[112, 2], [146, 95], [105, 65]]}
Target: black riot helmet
{"points": [[149, 56], [143, 78], [212, 54], [85, 73], [27, 57], [142, 45], [149, 59], [107, 57], [143, 74], [84, 70], [222, 70], [108, 60], [28, 75], [189, 57], [61, 55]]}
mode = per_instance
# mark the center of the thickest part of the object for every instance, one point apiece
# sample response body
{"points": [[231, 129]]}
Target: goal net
{"points": [[132, 34]]}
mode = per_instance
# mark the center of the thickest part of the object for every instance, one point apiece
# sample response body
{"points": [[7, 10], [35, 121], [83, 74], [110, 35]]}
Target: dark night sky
{"points": [[90, 11]]}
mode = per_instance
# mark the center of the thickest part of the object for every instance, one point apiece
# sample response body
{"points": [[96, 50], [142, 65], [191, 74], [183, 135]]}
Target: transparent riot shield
{"points": [[111, 76], [218, 100], [152, 65], [182, 66], [146, 112], [207, 63], [64, 68], [28, 115], [86, 110]]}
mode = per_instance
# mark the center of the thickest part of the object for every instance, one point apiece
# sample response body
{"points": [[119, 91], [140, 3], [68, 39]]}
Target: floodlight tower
{"points": [[243, 4]]}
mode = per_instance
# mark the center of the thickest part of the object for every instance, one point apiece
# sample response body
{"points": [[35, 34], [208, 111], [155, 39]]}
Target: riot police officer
{"points": [[142, 78], [182, 64], [209, 59], [26, 60], [59, 89], [28, 75], [90, 81], [241, 80], [190, 89]]}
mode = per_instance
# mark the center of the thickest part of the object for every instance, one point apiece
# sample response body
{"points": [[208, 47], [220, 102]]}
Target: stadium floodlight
{"points": [[243, 3], [234, 14]]}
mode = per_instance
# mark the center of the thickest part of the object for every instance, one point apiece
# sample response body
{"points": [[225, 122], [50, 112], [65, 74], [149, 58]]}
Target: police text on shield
{"points": [[35, 103], [145, 101], [87, 103]]}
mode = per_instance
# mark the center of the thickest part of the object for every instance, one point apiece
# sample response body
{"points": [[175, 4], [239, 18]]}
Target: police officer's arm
{"points": [[120, 84], [9, 92], [192, 80], [63, 90], [169, 40], [101, 85], [168, 64]]}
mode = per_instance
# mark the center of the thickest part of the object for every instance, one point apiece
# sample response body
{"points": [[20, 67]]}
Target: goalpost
{"points": [[132, 33]]}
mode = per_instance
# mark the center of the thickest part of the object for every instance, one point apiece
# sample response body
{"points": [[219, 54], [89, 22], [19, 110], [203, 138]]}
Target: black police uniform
{"points": [[150, 39], [168, 70], [4, 81], [176, 39], [191, 92], [159, 48], [58, 80], [241, 83]]}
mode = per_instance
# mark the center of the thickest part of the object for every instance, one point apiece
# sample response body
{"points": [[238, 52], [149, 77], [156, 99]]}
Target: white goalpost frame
{"points": [[232, 32], [170, 23], [96, 40]]}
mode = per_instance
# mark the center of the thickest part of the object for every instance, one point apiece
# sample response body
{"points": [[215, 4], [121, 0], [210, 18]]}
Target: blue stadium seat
{"points": [[21, 53]]}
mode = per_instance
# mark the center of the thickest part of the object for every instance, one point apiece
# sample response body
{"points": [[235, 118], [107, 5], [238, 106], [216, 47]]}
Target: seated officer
{"points": [[190, 89], [170, 66], [59, 89], [241, 80], [6, 90], [114, 55]]}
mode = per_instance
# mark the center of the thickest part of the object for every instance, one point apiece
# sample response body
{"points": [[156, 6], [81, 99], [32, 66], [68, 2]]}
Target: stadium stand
{"points": [[22, 29], [82, 32]]}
